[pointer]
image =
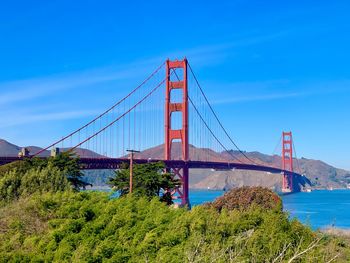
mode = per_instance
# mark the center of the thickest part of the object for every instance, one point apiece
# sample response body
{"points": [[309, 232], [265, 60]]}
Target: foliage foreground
{"points": [[44, 218], [92, 227]]}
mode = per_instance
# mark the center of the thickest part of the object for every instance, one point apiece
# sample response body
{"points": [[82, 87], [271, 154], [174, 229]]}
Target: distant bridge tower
{"points": [[174, 81], [287, 162]]}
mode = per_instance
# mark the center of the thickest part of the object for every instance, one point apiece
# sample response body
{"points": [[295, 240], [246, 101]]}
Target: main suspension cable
{"points": [[296, 157], [102, 114], [212, 133], [217, 118], [121, 116]]}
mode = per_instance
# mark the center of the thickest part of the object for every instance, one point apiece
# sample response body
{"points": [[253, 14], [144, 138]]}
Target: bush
{"points": [[245, 197]]}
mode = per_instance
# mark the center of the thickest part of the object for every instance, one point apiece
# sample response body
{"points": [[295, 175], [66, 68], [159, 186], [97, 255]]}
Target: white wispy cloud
{"points": [[205, 55], [265, 97], [245, 92], [21, 90], [26, 90], [20, 119]]}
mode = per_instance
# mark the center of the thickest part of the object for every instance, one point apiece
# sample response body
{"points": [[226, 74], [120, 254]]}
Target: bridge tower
{"points": [[177, 82], [287, 162]]}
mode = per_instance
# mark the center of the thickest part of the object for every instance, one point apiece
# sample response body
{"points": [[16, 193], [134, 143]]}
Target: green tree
{"points": [[148, 180], [23, 178], [35, 180], [66, 162]]}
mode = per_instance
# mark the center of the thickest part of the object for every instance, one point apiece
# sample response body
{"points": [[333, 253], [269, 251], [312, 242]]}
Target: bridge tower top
{"points": [[174, 81]]}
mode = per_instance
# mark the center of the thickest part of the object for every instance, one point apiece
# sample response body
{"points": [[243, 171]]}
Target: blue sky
{"points": [[267, 66]]}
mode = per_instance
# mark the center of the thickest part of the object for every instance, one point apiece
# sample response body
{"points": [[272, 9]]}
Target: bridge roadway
{"points": [[115, 163]]}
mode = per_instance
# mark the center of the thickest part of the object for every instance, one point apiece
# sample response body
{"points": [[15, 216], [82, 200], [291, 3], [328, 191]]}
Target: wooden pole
{"points": [[131, 164], [131, 168]]}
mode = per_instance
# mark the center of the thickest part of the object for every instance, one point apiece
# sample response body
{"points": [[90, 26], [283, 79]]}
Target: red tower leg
{"points": [[287, 161], [181, 134]]}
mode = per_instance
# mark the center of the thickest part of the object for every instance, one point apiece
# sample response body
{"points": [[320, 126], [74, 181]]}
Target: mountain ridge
{"points": [[320, 174]]}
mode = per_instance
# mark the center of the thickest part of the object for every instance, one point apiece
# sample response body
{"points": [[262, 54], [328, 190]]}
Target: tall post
{"points": [[131, 172], [287, 161], [174, 81], [131, 168]]}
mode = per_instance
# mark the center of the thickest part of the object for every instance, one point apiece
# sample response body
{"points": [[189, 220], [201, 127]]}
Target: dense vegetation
{"points": [[90, 227], [53, 223]]}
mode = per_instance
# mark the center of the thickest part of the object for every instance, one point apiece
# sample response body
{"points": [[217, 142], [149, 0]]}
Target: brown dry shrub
{"points": [[245, 197]]}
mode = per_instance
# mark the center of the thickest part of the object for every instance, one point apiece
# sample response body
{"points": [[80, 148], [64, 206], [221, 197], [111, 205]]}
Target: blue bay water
{"points": [[319, 209]]}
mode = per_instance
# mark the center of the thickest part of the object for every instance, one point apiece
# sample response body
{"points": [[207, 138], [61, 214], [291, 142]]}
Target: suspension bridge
{"points": [[168, 111]]}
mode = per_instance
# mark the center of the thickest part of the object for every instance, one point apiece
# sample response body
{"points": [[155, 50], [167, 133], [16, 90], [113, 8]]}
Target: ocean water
{"points": [[318, 209]]}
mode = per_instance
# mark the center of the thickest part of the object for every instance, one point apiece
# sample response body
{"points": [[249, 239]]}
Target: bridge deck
{"points": [[115, 163]]}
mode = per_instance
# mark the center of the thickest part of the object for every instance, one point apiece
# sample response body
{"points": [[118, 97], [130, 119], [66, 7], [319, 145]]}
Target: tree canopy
{"points": [[59, 173], [66, 162], [149, 180]]}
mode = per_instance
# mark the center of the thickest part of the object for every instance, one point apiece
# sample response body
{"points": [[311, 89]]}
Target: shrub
{"points": [[245, 197]]}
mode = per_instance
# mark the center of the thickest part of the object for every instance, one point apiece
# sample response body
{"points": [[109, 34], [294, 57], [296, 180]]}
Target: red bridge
{"points": [[143, 119]]}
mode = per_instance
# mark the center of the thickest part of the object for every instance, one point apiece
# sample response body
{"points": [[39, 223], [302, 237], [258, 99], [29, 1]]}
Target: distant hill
{"points": [[320, 174], [8, 149], [11, 150]]}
